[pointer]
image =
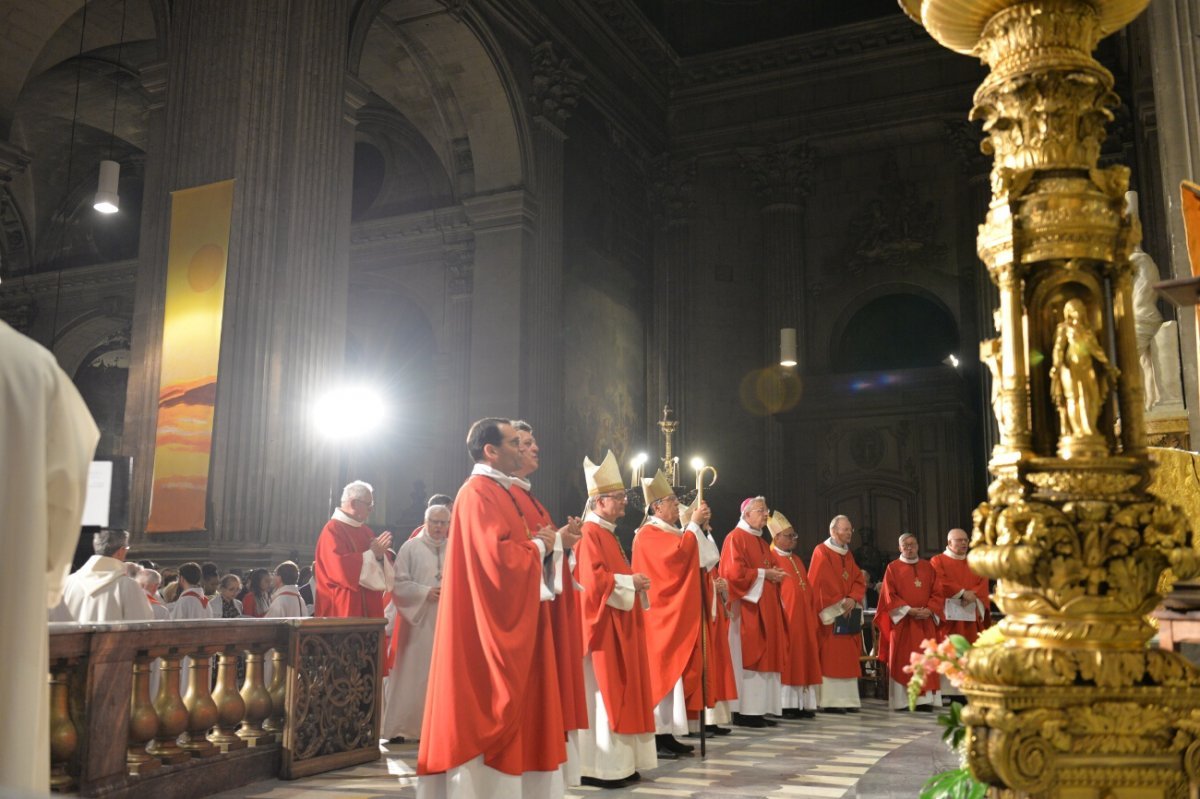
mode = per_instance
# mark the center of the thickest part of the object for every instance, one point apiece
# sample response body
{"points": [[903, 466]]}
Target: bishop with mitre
{"points": [[802, 674]]}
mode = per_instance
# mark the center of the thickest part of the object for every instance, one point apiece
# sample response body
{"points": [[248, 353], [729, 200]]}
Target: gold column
{"points": [[143, 721], [258, 702], [278, 693], [202, 710], [230, 705], [172, 713], [64, 738], [1072, 704]]}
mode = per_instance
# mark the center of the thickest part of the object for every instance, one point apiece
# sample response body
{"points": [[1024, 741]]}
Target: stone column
{"points": [[555, 92], [455, 366], [234, 108], [782, 176], [1173, 27], [672, 197]]}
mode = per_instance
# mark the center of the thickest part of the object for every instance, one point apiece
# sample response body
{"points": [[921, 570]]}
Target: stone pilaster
{"points": [[555, 90], [782, 176], [455, 362]]}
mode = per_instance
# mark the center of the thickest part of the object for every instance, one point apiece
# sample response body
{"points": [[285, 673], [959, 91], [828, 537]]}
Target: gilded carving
{"points": [[335, 697]]}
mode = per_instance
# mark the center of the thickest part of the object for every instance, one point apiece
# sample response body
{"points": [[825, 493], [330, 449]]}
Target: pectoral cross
{"points": [[917, 582]]}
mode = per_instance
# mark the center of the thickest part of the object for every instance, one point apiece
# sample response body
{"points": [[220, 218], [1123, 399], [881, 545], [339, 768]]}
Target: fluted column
{"points": [[781, 175], [455, 367], [672, 197], [555, 91], [235, 109]]}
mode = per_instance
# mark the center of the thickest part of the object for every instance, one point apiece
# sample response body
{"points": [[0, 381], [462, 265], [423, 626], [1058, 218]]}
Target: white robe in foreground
{"points": [[101, 591], [47, 439], [418, 569]]}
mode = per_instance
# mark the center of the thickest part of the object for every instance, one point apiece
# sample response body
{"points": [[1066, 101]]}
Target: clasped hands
{"points": [[381, 544]]}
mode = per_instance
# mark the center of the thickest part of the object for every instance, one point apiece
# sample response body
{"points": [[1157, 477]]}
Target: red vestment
{"points": [[616, 639], [835, 576], [672, 562], [764, 640], [955, 576], [800, 615], [493, 681], [915, 585], [723, 682], [564, 619], [336, 567]]}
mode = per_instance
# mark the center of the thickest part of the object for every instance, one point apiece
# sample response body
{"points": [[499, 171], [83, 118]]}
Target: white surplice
{"points": [[418, 570], [101, 591], [286, 603], [47, 439]]}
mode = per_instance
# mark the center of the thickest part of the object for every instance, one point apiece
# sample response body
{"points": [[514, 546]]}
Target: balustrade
{"points": [[110, 737]]}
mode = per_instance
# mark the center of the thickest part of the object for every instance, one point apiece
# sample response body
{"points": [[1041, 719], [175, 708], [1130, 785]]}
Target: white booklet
{"points": [[955, 610]]}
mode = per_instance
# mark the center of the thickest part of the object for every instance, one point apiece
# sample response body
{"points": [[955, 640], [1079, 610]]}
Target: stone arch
{"points": [[893, 326], [410, 175]]}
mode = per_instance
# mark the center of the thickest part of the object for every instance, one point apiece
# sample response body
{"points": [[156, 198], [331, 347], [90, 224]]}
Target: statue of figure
{"points": [[990, 352], [1146, 318], [1077, 393]]}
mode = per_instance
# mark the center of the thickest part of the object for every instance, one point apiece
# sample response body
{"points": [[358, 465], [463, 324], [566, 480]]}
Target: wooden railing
{"points": [[204, 730]]}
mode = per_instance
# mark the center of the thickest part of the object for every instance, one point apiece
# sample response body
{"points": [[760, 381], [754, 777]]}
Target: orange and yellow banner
{"points": [[191, 346], [1191, 222]]}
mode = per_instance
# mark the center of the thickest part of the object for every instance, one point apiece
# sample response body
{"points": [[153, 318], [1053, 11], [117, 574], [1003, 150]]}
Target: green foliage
{"points": [[961, 644], [955, 730], [958, 783]]}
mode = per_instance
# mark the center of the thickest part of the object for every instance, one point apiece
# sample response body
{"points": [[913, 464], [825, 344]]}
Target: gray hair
{"points": [[833, 522], [433, 509], [133, 569], [109, 542], [357, 490], [750, 504], [903, 536], [148, 577]]}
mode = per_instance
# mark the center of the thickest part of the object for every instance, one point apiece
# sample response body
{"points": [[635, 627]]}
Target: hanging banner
{"points": [[191, 345]]}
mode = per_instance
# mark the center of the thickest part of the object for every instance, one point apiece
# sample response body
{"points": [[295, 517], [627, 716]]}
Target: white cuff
{"points": [[899, 613], [623, 593], [541, 547], [829, 614], [376, 575], [755, 592], [709, 554]]}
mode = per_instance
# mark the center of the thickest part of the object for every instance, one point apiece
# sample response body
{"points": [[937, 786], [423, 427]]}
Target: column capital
{"points": [[460, 269], [780, 172], [555, 87], [671, 186]]}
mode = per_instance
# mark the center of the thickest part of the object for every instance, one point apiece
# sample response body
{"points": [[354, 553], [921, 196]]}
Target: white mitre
{"points": [[602, 479]]}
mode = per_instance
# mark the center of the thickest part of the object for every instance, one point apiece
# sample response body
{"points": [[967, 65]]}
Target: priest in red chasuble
{"points": [[353, 573], [757, 636], [676, 633], [802, 674], [909, 612], [564, 609], [493, 720], [964, 593], [619, 739], [840, 589]]}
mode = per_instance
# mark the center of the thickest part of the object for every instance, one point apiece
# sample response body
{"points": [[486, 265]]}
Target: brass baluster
{"points": [[258, 703], [278, 692], [64, 738], [230, 705], [202, 710], [143, 721], [172, 713]]}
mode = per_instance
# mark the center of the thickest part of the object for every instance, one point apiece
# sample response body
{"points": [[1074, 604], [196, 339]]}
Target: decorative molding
{"points": [[460, 270], [781, 172], [631, 26], [555, 87], [966, 139], [671, 185], [894, 229]]}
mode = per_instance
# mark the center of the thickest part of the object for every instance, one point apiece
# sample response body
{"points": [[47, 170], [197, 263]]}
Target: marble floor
{"points": [[875, 754]]}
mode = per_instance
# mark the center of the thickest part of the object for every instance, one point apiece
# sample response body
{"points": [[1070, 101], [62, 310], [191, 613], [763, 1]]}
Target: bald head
{"points": [[957, 541]]}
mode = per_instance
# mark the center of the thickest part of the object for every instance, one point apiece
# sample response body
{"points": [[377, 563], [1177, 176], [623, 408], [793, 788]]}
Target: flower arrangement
{"points": [[949, 658]]}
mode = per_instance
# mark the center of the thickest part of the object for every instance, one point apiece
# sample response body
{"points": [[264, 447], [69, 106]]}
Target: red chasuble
{"points": [[800, 615], [834, 577], [954, 576], [764, 638], [723, 682], [493, 681], [672, 562], [337, 564], [564, 618], [616, 639], [915, 585]]}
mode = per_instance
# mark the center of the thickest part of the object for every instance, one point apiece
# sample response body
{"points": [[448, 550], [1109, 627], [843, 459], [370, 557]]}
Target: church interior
{"points": [[575, 212]]}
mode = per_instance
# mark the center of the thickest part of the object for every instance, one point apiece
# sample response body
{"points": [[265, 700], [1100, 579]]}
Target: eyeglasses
{"points": [[615, 497], [363, 502]]}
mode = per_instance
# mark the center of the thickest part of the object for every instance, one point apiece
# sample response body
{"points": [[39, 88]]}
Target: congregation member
{"points": [[169, 590], [306, 588], [102, 590], [564, 608], [132, 570], [352, 569], [909, 611], [225, 605], [964, 593], [493, 721], [802, 675], [257, 596], [191, 603], [839, 591], [210, 578], [619, 739], [149, 580], [757, 640], [286, 602], [674, 559], [415, 595]]}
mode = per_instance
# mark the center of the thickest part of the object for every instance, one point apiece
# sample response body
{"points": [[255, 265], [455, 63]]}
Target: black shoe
{"points": [[924, 708], [666, 754], [669, 743], [770, 722], [756, 722], [399, 739], [792, 713], [838, 710], [596, 782], [851, 710], [713, 729], [807, 714]]}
